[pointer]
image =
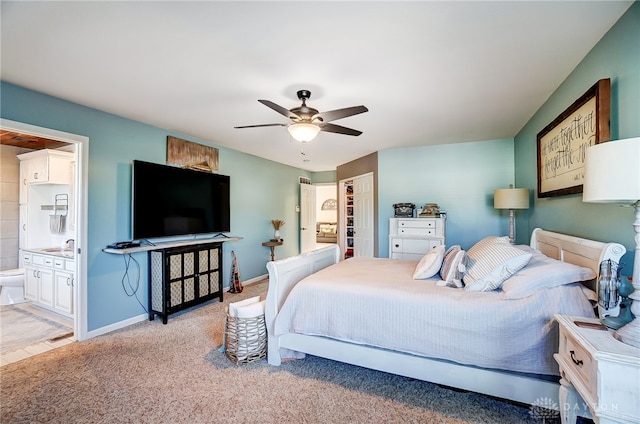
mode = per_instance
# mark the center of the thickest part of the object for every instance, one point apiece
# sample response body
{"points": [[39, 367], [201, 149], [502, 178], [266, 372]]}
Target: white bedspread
{"points": [[375, 301]]}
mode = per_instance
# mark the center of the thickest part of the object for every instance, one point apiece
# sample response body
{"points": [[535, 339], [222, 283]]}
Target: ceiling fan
{"points": [[308, 122]]}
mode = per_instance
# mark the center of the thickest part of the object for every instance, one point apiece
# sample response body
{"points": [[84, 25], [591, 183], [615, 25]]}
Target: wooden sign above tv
{"points": [[187, 154], [562, 144]]}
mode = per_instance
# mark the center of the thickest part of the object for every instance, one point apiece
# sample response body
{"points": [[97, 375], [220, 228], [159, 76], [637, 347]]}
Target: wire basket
{"points": [[245, 339]]}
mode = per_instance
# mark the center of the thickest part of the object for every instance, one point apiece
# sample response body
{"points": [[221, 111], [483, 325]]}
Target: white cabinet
{"points": [[24, 185], [411, 238], [64, 291], [31, 282], [46, 286], [24, 225], [49, 281], [45, 166]]}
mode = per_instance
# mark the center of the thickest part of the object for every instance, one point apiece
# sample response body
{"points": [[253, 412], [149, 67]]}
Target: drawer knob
{"points": [[578, 362]]}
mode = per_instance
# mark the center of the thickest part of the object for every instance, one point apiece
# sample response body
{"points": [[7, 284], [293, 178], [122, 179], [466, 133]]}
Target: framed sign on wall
{"points": [[562, 144]]}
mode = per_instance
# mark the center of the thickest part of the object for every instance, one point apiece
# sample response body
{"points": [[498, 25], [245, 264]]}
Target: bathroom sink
{"points": [[67, 252]]}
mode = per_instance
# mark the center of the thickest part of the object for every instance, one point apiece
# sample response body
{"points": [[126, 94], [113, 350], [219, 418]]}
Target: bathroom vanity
{"points": [[49, 278]]}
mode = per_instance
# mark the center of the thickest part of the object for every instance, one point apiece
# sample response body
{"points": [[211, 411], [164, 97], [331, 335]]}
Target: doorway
{"points": [[37, 138], [318, 216]]}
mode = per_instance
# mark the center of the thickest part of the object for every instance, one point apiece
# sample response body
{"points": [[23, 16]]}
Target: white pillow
{"points": [[233, 307], [430, 263], [453, 267], [487, 255], [495, 278], [543, 272]]}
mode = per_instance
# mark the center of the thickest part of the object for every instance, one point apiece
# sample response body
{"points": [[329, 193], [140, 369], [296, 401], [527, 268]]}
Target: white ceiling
{"points": [[429, 72]]}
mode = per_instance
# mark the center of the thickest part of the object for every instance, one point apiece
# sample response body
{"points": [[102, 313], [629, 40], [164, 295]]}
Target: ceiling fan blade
{"points": [[279, 109], [332, 115], [339, 129], [263, 125]]}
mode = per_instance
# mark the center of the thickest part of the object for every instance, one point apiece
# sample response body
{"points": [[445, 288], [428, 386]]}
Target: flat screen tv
{"points": [[170, 201]]}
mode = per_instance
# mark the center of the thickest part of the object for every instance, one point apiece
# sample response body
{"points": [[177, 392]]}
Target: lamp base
{"points": [[629, 334]]}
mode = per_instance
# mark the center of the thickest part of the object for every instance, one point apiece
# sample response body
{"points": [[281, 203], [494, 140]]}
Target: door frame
{"points": [[80, 302]]}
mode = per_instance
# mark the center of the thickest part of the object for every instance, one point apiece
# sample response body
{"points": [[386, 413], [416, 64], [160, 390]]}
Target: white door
{"points": [[307, 217], [363, 216]]}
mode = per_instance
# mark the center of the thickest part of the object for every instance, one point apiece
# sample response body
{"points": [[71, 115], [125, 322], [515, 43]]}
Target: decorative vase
{"points": [[276, 235]]}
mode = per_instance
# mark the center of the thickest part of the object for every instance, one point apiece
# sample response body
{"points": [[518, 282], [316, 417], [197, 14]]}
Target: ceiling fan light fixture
{"points": [[303, 131]]}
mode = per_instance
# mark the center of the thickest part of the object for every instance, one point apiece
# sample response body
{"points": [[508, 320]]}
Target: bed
{"points": [[419, 328]]}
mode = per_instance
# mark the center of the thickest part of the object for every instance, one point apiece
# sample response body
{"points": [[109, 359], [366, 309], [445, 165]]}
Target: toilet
{"points": [[12, 286]]}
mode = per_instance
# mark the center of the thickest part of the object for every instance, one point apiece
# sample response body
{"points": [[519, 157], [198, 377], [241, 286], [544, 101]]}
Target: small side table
{"points": [[272, 245], [601, 370]]}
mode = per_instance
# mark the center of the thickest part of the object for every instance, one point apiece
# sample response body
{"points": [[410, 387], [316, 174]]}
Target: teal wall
{"points": [[460, 178], [323, 177], [616, 56], [261, 190]]}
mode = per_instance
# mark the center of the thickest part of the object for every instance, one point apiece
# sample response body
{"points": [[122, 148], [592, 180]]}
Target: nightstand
{"points": [[598, 372]]}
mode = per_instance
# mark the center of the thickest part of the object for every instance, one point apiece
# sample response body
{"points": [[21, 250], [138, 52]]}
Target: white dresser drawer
{"points": [[412, 231], [417, 223]]}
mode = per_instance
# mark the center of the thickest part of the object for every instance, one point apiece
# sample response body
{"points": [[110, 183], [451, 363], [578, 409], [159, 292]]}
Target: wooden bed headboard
{"points": [[576, 250]]}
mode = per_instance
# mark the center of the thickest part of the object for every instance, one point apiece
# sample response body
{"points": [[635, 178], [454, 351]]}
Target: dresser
{"points": [[411, 238], [598, 372]]}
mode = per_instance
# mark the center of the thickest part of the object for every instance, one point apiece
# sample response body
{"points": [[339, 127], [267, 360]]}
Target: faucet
{"points": [[70, 243]]}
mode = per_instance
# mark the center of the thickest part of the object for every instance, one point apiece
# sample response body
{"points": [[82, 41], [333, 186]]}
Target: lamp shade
{"points": [[612, 172], [511, 198], [303, 132]]}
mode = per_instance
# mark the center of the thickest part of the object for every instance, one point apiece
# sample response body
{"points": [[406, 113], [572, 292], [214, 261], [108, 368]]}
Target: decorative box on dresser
{"points": [[600, 370], [411, 238]]}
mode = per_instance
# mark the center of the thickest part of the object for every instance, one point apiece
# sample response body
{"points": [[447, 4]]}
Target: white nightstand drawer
{"points": [[578, 359]]}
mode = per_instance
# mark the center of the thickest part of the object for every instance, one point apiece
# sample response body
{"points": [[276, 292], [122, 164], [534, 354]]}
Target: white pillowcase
{"points": [[430, 263], [543, 272], [495, 278]]}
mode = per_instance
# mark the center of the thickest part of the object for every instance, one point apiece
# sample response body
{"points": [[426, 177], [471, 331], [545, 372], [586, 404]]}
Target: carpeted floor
{"points": [[20, 327], [174, 373]]}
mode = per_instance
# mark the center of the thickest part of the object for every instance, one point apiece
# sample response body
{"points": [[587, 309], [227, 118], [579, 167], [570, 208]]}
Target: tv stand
{"points": [[181, 277], [182, 273]]}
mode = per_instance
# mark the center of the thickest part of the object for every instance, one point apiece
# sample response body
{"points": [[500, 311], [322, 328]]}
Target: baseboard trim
{"points": [[255, 280], [134, 320], [116, 326]]}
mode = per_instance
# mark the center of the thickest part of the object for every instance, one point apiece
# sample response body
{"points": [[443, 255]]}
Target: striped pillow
{"points": [[487, 255], [495, 278], [452, 258]]}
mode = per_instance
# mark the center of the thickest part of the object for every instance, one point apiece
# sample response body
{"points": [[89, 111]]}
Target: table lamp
{"points": [[511, 198], [612, 175]]}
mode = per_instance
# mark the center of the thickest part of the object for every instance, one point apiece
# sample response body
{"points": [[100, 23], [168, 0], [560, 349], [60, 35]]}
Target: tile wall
{"points": [[9, 205]]}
